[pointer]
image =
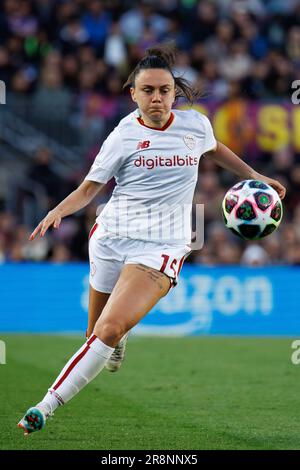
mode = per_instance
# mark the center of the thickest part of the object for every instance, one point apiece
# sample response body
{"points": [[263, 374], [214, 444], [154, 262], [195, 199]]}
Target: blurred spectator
{"points": [[255, 255], [7, 228], [21, 19], [228, 254], [96, 22], [51, 104], [212, 83], [293, 44], [60, 254], [73, 35], [183, 68], [21, 87], [6, 68], [51, 101], [70, 68], [115, 51], [202, 21], [257, 43], [133, 22], [273, 249], [237, 64], [217, 47], [42, 173], [280, 74]]}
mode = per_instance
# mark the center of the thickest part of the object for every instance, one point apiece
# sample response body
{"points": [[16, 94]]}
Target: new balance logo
{"points": [[143, 145]]}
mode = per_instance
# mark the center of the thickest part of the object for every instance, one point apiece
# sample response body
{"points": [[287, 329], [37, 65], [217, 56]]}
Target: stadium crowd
{"points": [[64, 63]]}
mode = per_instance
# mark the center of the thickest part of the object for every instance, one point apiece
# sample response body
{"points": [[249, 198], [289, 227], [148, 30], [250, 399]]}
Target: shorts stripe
{"points": [[73, 364], [180, 264], [93, 230]]}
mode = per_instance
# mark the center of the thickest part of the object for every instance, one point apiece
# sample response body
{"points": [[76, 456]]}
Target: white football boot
{"points": [[117, 357]]}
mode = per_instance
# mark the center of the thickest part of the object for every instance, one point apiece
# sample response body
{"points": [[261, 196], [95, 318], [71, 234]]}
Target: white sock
{"points": [[83, 367], [49, 403]]}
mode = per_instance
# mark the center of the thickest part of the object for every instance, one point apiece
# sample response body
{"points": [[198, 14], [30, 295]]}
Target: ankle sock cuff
{"points": [[99, 347]]}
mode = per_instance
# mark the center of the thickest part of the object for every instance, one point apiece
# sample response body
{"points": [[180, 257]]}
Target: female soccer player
{"points": [[141, 238]]}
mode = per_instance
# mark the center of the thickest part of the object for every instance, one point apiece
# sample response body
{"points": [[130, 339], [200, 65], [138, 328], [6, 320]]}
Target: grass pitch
{"points": [[171, 393]]}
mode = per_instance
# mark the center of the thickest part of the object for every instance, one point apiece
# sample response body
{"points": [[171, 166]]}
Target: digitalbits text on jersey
{"points": [[157, 161]]}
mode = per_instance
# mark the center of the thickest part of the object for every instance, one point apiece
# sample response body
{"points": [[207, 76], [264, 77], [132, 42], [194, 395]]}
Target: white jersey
{"points": [[156, 172]]}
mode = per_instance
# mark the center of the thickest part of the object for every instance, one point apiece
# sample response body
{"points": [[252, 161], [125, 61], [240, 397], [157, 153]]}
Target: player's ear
{"points": [[132, 92]]}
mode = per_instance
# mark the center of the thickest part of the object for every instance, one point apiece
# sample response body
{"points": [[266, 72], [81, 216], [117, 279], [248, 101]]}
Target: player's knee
{"points": [[109, 332]]}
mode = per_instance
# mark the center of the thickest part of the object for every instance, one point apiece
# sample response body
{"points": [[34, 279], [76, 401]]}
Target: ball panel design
{"points": [[276, 212], [267, 230], [249, 231], [238, 186], [258, 185], [252, 209], [235, 232], [246, 211], [263, 200], [230, 202]]}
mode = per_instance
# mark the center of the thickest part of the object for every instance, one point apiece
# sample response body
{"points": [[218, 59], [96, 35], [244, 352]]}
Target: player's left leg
{"points": [[106, 263], [97, 302], [138, 289], [115, 361]]}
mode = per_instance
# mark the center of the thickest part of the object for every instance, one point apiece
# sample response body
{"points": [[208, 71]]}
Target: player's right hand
{"points": [[52, 218]]}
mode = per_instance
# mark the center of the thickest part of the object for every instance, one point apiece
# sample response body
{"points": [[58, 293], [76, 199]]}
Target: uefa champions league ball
{"points": [[252, 209]]}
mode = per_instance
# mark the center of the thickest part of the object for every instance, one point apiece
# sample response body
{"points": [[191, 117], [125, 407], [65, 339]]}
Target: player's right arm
{"points": [[78, 199]]}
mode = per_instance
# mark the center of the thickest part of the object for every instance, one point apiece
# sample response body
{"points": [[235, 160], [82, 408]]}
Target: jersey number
{"points": [[166, 259]]}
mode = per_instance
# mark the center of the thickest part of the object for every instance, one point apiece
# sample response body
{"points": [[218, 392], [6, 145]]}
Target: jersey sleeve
{"points": [[108, 160], [210, 142]]}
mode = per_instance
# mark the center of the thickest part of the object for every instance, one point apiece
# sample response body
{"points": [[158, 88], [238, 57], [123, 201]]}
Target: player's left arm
{"points": [[224, 157]]}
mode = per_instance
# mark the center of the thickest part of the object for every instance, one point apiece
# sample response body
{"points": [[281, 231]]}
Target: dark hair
{"points": [[163, 57]]}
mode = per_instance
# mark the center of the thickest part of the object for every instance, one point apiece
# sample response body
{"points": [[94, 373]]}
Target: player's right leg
{"points": [[105, 267], [81, 369]]}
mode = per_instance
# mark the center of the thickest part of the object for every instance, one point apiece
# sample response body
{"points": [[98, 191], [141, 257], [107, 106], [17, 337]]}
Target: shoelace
{"points": [[117, 354]]}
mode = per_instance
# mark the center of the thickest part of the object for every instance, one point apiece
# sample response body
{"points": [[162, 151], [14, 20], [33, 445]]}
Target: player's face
{"points": [[154, 92]]}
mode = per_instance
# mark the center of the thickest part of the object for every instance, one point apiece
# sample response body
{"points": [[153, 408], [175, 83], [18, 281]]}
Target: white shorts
{"points": [[108, 254]]}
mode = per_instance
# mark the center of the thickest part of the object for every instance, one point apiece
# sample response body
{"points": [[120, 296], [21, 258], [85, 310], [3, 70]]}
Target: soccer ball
{"points": [[252, 209]]}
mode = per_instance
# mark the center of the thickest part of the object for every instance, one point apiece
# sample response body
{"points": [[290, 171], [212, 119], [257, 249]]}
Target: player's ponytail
{"points": [[163, 57]]}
